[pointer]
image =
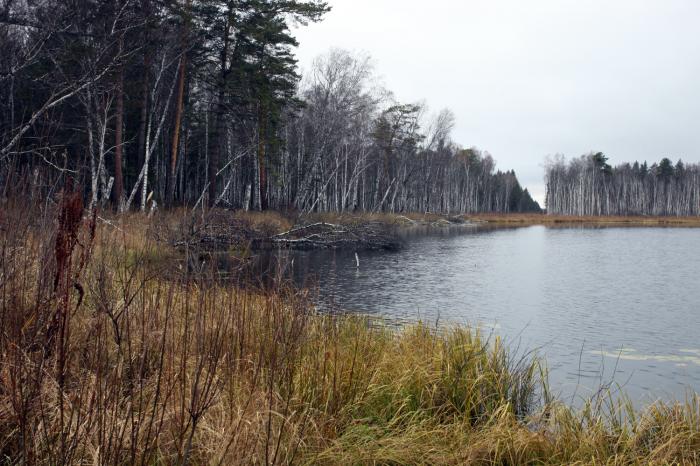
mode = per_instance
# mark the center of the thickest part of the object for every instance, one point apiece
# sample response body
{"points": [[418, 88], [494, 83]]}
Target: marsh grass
{"points": [[148, 367], [572, 220]]}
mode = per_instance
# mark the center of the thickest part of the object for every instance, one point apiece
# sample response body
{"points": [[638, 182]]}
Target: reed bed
{"points": [[112, 351]]}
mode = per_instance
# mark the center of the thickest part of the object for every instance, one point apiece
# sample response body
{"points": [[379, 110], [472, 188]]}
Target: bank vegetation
{"points": [[116, 350]]}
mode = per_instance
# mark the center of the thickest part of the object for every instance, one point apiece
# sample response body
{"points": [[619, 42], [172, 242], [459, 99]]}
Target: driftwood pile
{"points": [[366, 236], [220, 232]]}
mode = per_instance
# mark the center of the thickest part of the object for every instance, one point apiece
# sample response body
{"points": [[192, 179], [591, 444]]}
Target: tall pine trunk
{"points": [[262, 145], [119, 128], [219, 109], [179, 105]]}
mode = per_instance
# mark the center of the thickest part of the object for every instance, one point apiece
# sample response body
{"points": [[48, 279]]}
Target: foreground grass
{"points": [[106, 359]]}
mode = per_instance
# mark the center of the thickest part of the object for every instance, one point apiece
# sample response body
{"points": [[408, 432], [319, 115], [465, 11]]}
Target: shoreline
{"points": [[563, 220], [509, 219], [224, 229]]}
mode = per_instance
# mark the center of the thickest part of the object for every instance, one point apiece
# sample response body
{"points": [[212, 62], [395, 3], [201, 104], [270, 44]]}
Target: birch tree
{"points": [[589, 186]]}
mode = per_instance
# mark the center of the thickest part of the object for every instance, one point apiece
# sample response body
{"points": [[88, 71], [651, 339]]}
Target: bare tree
{"points": [[589, 186]]}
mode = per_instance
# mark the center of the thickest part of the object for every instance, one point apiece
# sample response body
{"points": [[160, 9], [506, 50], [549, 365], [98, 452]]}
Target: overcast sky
{"points": [[527, 79]]}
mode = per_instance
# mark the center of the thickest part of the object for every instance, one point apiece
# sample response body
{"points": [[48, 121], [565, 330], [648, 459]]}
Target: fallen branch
{"points": [[330, 236], [306, 227]]}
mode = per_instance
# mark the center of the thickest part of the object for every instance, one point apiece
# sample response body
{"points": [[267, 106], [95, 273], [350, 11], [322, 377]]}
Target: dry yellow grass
{"points": [[561, 220], [179, 368], [514, 219]]}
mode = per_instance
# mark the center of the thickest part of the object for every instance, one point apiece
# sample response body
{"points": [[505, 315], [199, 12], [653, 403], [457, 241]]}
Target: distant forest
{"points": [[590, 186], [193, 102]]}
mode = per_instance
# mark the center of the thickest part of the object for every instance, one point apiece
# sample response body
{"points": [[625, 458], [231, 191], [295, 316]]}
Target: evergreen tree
{"points": [[665, 169]]}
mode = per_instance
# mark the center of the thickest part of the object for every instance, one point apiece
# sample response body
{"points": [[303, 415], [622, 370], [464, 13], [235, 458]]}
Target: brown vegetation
{"points": [[154, 368], [559, 220]]}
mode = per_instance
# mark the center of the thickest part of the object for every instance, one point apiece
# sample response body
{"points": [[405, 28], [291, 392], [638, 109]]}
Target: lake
{"points": [[601, 305]]}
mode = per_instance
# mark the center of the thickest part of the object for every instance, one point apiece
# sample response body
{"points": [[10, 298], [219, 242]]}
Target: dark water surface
{"points": [[601, 305]]}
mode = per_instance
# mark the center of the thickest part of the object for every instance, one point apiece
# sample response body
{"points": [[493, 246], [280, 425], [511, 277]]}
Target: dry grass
{"points": [[515, 219], [563, 220], [403, 219], [266, 221], [113, 363]]}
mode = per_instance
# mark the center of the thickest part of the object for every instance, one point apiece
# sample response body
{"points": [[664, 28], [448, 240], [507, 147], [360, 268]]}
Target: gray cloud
{"points": [[530, 78]]}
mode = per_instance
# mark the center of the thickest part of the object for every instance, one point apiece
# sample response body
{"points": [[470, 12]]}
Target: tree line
{"points": [[588, 185], [201, 102]]}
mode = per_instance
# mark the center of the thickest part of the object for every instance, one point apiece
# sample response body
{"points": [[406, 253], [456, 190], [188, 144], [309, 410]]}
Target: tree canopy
{"points": [[201, 102]]}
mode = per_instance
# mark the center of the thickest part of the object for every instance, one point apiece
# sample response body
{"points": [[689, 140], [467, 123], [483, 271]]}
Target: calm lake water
{"points": [[600, 304]]}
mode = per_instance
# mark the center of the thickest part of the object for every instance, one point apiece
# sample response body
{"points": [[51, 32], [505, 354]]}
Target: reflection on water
{"points": [[600, 304], [629, 354]]}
